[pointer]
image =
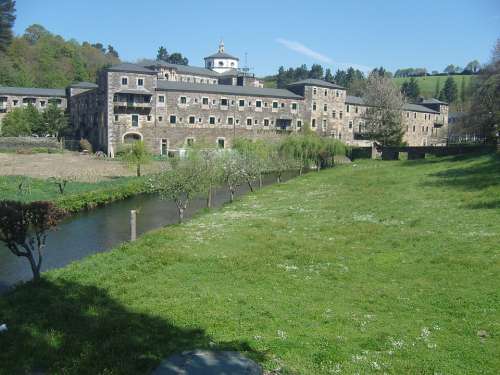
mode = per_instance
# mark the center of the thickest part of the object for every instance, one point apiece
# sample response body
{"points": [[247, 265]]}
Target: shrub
{"points": [[85, 145]]}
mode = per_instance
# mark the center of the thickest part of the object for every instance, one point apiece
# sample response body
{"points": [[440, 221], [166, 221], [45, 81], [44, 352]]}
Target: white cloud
{"points": [[306, 51]]}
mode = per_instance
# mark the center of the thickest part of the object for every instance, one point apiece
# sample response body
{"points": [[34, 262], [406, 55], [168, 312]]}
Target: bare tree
{"points": [[384, 120], [24, 227]]}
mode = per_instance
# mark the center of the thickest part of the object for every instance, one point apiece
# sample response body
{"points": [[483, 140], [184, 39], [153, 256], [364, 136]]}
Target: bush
{"points": [[85, 145]]}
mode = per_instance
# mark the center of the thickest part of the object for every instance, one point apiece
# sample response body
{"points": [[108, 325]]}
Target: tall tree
{"points": [[162, 54], [437, 88], [411, 89], [473, 66], [7, 18], [112, 51], [463, 92], [449, 93], [450, 69], [383, 116], [177, 58], [316, 71], [328, 75]]}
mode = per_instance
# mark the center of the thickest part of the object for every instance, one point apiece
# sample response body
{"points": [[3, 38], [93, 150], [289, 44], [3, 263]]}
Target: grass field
{"points": [[373, 267], [427, 85]]}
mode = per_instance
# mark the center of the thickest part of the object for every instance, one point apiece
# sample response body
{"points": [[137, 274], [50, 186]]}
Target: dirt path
{"points": [[69, 164]]}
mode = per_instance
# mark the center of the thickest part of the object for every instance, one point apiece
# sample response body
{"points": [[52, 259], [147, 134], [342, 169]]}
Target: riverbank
{"points": [[372, 266]]}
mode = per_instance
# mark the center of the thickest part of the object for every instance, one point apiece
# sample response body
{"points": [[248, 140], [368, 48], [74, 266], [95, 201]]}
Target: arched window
{"points": [[221, 63], [132, 137]]}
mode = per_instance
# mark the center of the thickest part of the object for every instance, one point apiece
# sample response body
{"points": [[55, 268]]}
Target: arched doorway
{"points": [[132, 137]]}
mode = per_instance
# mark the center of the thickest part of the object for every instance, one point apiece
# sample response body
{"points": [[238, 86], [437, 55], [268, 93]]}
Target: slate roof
{"points": [[31, 91], [356, 100], [84, 85], [433, 101], [129, 67], [221, 55], [187, 69], [225, 89], [316, 82]]}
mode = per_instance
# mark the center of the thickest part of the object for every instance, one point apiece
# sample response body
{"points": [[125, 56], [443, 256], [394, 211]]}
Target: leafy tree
{"points": [[24, 227], [162, 54], [328, 75], [182, 183], [233, 174], [463, 91], [450, 69], [21, 122], [411, 89], [136, 155], [449, 93], [53, 121], [281, 162], [437, 88], [177, 58], [255, 155], [473, 66], [112, 51], [383, 116], [7, 18], [316, 71], [484, 114]]}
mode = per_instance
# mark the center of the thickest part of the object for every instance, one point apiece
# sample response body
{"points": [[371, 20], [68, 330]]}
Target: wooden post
{"points": [[133, 225]]}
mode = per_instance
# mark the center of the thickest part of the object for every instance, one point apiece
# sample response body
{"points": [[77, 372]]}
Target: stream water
{"points": [[104, 228]]}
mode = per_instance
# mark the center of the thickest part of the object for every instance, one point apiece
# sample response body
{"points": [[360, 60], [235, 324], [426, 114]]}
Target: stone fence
{"points": [[19, 144]]}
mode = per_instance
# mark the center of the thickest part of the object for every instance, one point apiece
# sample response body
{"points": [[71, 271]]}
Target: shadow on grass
{"points": [[478, 176], [449, 159], [65, 327]]}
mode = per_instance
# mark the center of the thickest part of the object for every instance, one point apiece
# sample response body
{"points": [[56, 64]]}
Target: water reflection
{"points": [[103, 228]]}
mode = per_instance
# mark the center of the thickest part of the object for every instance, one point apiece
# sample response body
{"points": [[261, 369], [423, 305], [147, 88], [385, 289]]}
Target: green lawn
{"points": [[427, 85], [373, 267], [77, 195]]}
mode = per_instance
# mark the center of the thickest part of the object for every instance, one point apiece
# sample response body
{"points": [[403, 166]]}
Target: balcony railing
{"points": [[129, 104]]}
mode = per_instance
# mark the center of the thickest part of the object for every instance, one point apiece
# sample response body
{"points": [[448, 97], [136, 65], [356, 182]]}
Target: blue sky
{"points": [[336, 34]]}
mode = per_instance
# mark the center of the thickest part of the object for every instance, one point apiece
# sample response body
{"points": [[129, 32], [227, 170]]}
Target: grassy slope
{"points": [[377, 266], [77, 194], [428, 84]]}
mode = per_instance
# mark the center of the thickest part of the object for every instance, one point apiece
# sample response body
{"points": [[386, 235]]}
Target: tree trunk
{"points": [[260, 180], [181, 214], [300, 170], [231, 195], [138, 170], [278, 178], [250, 185], [209, 197], [35, 268]]}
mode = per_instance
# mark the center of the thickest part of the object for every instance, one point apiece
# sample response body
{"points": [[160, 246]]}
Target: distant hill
{"points": [[427, 84]]}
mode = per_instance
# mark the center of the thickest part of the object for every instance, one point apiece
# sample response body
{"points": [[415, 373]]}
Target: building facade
{"points": [[171, 106]]}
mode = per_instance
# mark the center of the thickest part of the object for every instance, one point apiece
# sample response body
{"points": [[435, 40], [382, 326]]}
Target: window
{"points": [[414, 114], [413, 128], [325, 108], [313, 124], [230, 120], [124, 81], [356, 109], [314, 90], [161, 99], [294, 106], [340, 115], [407, 114], [211, 120], [334, 114], [266, 122], [350, 124], [223, 102], [160, 118], [282, 105], [42, 103], [347, 108], [256, 122], [135, 121], [323, 126], [192, 119], [326, 92], [116, 117], [15, 102], [140, 82], [190, 142], [200, 119], [275, 104], [149, 117], [241, 103], [299, 124], [164, 147], [314, 106], [204, 101], [249, 121], [183, 100], [337, 93], [173, 119], [258, 104], [221, 142]]}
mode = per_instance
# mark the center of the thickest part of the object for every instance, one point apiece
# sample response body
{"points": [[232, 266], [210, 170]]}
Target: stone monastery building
{"points": [[171, 106]]}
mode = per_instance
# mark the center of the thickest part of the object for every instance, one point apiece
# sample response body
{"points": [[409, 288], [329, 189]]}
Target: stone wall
{"points": [[28, 143], [10, 102]]}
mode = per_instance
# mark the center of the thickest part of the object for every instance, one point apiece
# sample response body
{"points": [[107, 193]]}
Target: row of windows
{"points": [[140, 81], [325, 92], [212, 120], [183, 100], [426, 116], [32, 101]]}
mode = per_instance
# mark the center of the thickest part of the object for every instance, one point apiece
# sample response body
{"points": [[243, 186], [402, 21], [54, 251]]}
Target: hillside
{"points": [[373, 267], [427, 84]]}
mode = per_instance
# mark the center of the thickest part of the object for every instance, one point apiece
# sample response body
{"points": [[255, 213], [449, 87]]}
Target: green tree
{"points": [[450, 69], [463, 91], [437, 88], [53, 121], [24, 227], [449, 93], [21, 122], [473, 66], [316, 71], [7, 18], [328, 75], [411, 89], [136, 155], [162, 54], [177, 58]]}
